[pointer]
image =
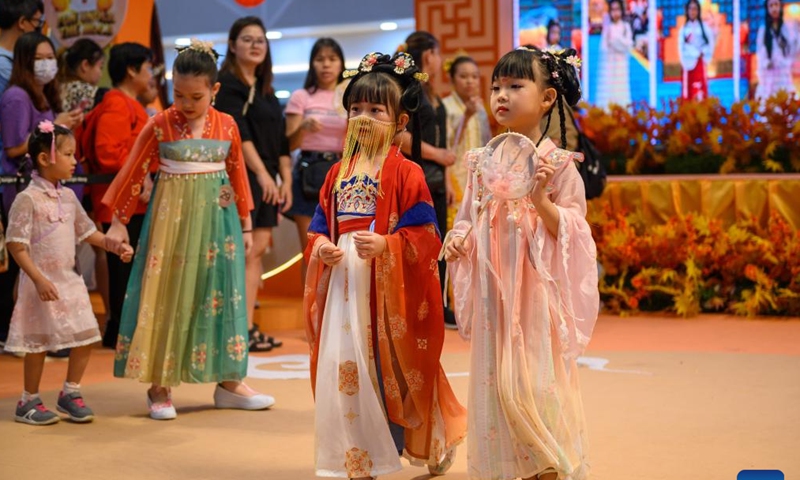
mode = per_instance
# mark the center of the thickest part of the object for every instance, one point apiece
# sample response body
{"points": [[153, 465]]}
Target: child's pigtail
{"points": [[563, 121]]}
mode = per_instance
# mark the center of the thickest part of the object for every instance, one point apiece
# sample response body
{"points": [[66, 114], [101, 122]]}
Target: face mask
{"points": [[45, 70]]}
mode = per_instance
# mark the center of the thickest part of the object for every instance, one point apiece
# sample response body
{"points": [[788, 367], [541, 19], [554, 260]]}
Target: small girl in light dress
{"points": [[53, 310]]}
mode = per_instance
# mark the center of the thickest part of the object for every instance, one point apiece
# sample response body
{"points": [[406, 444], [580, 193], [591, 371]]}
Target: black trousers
{"points": [[118, 275], [440, 207], [7, 281]]}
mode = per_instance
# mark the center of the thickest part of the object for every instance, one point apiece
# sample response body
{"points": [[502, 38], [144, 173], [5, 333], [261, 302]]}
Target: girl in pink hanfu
{"points": [[524, 277]]}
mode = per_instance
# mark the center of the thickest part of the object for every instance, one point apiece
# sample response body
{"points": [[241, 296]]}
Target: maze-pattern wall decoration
{"points": [[484, 28]]}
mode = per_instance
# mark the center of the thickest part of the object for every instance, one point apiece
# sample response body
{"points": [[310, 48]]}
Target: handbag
{"points": [[592, 170], [314, 168]]}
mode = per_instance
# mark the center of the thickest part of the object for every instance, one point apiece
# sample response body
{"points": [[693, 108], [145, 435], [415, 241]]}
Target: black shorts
{"points": [[264, 215]]}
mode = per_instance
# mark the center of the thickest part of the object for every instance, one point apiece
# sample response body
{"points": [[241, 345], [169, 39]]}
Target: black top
{"points": [[263, 125], [433, 123]]}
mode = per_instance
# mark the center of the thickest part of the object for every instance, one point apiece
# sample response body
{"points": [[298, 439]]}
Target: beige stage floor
{"points": [[664, 398]]}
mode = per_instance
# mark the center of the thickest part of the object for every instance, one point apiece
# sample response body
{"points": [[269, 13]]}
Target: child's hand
{"points": [[330, 254], [125, 253], [455, 249], [369, 244], [47, 291], [544, 174]]}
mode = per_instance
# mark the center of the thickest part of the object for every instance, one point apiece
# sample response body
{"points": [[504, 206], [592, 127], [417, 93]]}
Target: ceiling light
{"points": [[388, 26], [274, 35], [283, 94], [183, 42]]}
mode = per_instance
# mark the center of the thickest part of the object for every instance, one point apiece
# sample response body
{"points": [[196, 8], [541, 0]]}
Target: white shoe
{"points": [[226, 399], [161, 410]]}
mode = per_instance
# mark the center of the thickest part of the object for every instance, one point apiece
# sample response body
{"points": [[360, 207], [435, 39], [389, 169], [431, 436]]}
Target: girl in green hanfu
{"points": [[184, 317]]}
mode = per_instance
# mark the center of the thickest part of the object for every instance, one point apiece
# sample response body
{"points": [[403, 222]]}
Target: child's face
{"points": [[774, 7], [467, 80], [693, 11], [328, 66], [554, 35], [65, 163], [518, 103], [616, 11], [376, 111], [193, 94]]}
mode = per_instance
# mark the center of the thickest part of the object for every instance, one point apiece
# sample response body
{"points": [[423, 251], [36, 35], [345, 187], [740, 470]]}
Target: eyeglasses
{"points": [[256, 41], [37, 23]]}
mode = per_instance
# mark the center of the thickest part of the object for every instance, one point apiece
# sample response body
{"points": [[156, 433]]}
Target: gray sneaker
{"points": [[72, 404], [35, 413]]}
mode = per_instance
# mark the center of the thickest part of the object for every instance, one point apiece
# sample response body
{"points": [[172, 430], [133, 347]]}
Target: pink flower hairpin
{"points": [[46, 126]]}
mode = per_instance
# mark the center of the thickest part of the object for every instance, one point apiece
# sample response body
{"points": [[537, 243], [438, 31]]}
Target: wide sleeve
{"points": [[568, 264], [708, 48], [84, 226], [20, 220], [761, 54], [114, 137], [462, 272], [408, 300], [122, 196], [623, 41], [682, 47], [317, 278], [232, 101], [237, 172]]}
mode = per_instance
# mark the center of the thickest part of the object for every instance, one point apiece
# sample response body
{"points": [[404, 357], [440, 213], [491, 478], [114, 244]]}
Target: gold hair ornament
{"points": [[201, 46], [460, 53]]}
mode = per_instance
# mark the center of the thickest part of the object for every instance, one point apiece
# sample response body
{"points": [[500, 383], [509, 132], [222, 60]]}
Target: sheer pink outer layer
{"points": [[529, 301]]}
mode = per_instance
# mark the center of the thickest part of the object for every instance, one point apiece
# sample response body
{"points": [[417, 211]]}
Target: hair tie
{"points": [[46, 126], [200, 46], [448, 63]]}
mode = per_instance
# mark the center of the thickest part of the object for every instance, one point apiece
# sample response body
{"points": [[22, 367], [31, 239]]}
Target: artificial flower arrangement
{"points": [[694, 264], [697, 136]]}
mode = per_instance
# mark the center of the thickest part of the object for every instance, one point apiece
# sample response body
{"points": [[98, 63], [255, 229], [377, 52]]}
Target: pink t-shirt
{"points": [[319, 105]]}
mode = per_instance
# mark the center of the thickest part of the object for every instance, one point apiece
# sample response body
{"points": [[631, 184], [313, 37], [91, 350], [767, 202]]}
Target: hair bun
{"points": [[568, 65]]}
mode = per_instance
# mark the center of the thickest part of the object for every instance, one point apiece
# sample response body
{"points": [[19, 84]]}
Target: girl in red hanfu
{"points": [[696, 48], [372, 300]]}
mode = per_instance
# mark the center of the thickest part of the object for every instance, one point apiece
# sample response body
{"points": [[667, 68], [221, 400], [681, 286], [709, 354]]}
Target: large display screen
{"points": [[656, 51]]}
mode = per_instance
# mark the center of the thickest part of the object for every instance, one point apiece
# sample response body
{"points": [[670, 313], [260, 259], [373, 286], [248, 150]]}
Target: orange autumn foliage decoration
{"points": [[693, 264]]}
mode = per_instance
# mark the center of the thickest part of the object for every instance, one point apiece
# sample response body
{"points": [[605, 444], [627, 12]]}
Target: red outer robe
{"points": [[406, 302]]}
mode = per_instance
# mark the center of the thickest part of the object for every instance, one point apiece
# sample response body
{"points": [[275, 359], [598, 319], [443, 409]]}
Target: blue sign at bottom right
{"points": [[760, 475]]}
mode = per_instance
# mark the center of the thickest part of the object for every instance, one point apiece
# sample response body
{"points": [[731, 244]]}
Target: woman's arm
{"points": [[441, 156]]}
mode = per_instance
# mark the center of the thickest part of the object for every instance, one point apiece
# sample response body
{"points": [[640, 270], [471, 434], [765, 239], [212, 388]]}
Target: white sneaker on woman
{"points": [[227, 399]]}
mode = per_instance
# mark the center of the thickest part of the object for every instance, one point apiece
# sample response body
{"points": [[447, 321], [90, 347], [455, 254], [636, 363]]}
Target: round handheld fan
{"points": [[508, 164]]}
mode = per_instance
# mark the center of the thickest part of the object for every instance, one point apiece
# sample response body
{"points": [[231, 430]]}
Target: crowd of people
{"points": [[392, 186]]}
